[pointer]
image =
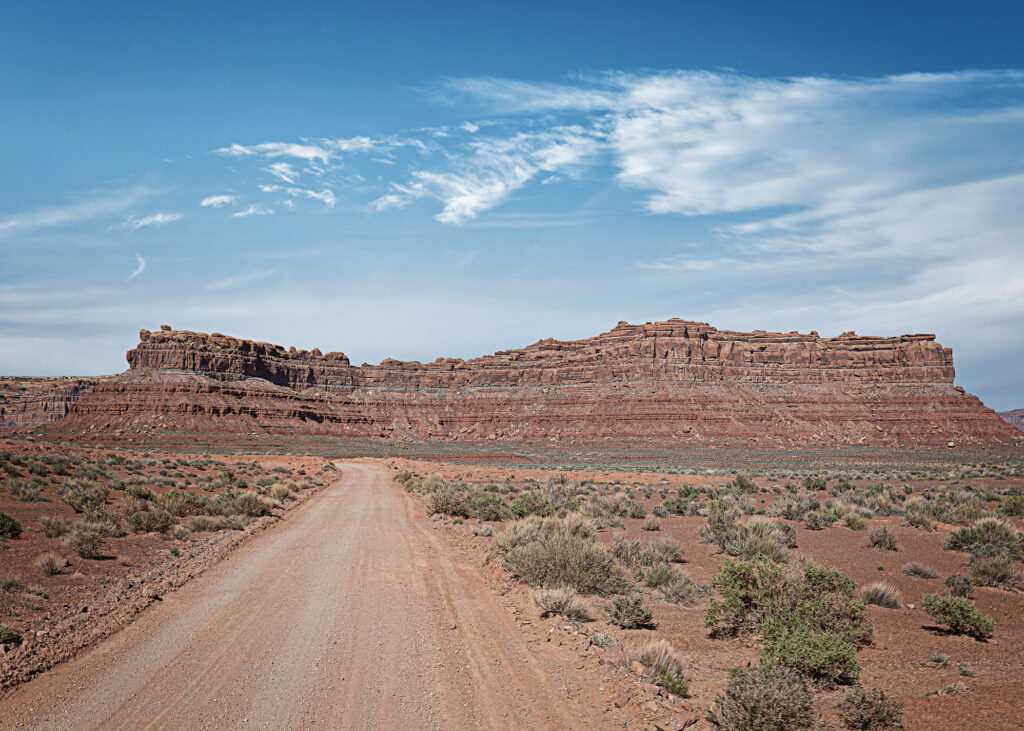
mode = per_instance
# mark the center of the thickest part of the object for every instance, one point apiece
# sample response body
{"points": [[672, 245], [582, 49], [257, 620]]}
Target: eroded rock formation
{"points": [[26, 403], [678, 381], [1014, 418]]}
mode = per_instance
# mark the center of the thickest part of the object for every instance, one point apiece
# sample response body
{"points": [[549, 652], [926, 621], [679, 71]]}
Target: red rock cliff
{"points": [[26, 403], [674, 380]]}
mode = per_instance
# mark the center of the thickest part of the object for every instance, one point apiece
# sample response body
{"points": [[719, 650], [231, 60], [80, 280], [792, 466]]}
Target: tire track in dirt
{"points": [[349, 614]]}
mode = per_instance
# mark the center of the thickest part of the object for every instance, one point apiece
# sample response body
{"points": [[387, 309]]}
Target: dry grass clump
{"points": [[282, 492], [882, 594], [49, 563], [213, 523], [85, 540], [919, 571], [564, 602], [664, 664], [767, 698], [883, 539], [652, 524], [55, 526]]}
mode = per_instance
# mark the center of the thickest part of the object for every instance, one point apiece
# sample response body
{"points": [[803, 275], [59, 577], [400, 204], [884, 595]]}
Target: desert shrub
{"points": [[212, 523], [630, 613], [960, 586], [808, 618], [855, 522], [664, 665], [9, 527], [826, 657], [231, 502], [966, 669], [85, 540], [682, 590], [919, 571], [659, 575], [157, 521], [446, 499], [651, 524], [815, 521], [488, 507], [959, 614], [1012, 506], [518, 533], [559, 491], [675, 506], [768, 698], [793, 507], [9, 636], [662, 549], [882, 595], [564, 602], [183, 503], [84, 497], [530, 503], [994, 570], [988, 536], [54, 526], [26, 492], [870, 709], [659, 511], [48, 564], [883, 539], [559, 560], [138, 491], [282, 492], [918, 514], [11, 584], [759, 538]]}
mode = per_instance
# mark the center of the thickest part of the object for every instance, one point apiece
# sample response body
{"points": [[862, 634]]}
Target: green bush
{"points": [[156, 521], [959, 614], [9, 636], [143, 493], [994, 570], [559, 560], [988, 536], [659, 575], [84, 497], [768, 698], [870, 709], [182, 503], [809, 622], [630, 613], [1013, 506], [960, 586], [447, 499], [530, 503], [9, 527], [488, 507]]}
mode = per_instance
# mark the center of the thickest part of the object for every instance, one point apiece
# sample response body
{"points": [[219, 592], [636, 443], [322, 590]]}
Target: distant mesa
{"points": [[677, 382], [1015, 417]]}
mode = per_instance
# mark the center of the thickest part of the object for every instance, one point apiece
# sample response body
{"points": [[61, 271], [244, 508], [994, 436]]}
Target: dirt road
{"points": [[350, 614]]}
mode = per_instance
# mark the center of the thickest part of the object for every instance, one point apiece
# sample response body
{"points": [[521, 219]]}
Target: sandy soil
{"points": [[352, 613]]}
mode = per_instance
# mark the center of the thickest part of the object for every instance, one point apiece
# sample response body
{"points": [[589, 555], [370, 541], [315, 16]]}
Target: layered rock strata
{"points": [[673, 380], [26, 403]]}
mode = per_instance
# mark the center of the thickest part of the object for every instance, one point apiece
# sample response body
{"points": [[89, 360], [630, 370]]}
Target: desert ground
{"points": [[286, 591]]}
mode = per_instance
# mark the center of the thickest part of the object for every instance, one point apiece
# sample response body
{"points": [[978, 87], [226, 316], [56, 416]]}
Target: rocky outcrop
{"points": [[1014, 418], [674, 380], [26, 403]]}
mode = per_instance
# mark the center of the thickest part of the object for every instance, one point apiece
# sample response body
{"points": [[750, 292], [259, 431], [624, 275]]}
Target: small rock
{"points": [[637, 668], [622, 699]]}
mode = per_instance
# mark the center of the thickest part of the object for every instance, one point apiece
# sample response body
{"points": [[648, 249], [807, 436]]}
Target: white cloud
{"points": [[217, 201], [470, 127], [91, 206], [325, 196], [240, 279], [133, 224], [284, 171], [254, 210], [139, 269]]}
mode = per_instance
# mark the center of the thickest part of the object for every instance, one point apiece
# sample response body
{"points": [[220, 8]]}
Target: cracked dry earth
{"points": [[350, 614]]}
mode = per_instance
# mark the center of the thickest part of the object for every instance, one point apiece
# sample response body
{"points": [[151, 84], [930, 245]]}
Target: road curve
{"points": [[349, 614]]}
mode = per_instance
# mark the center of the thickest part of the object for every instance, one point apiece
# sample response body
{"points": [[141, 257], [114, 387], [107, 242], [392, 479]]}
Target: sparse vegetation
{"points": [[630, 613], [564, 602], [48, 564], [882, 539], [882, 594], [959, 614], [664, 665], [919, 571], [9, 527], [870, 709], [768, 698]]}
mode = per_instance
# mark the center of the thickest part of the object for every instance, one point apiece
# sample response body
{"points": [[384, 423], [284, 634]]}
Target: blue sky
{"points": [[418, 180]]}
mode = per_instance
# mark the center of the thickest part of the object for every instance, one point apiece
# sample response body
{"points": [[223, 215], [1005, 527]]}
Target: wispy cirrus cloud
{"points": [[140, 267], [238, 280], [134, 223], [325, 196], [90, 206], [255, 209], [217, 201]]}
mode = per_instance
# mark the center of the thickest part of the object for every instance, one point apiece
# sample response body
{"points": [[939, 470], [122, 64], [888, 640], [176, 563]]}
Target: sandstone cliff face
{"points": [[26, 403], [674, 380]]}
